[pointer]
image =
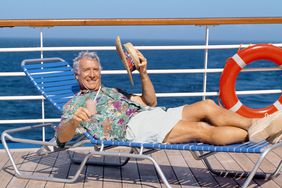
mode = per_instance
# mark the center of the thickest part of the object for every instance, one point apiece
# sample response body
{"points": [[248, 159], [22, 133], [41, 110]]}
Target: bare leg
{"points": [[185, 131], [208, 111]]}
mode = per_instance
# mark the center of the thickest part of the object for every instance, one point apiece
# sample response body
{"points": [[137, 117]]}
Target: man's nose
{"points": [[92, 74]]}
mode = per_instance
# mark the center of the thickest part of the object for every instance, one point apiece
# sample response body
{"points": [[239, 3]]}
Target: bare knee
{"points": [[208, 106], [209, 103]]}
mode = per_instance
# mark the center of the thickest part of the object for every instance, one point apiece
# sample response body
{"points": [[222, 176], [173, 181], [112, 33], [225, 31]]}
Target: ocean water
{"points": [[157, 59]]}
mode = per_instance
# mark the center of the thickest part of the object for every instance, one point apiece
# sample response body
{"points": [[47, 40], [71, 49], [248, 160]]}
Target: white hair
{"points": [[87, 55]]}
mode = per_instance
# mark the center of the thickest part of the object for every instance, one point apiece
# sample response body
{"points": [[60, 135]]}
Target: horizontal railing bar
{"points": [[251, 92], [199, 47], [137, 21], [39, 49], [199, 94], [12, 74], [104, 48], [51, 120], [174, 71], [160, 71], [187, 94], [26, 97]]}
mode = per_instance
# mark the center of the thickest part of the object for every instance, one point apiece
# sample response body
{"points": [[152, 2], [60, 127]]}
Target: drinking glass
{"points": [[91, 106]]}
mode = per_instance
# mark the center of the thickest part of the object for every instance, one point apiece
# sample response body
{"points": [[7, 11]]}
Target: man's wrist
{"points": [[144, 75], [74, 123]]}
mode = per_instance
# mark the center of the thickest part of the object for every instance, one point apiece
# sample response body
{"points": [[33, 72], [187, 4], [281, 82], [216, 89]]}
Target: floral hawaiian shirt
{"points": [[114, 111]]}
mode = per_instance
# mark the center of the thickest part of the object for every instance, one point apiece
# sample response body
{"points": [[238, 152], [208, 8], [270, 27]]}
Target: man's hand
{"points": [[66, 130], [81, 114], [142, 64]]}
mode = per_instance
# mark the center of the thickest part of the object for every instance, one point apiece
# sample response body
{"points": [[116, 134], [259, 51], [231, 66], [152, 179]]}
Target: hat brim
{"points": [[122, 55]]}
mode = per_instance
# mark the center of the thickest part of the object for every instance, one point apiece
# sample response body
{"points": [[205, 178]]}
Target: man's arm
{"points": [[67, 129], [148, 96]]}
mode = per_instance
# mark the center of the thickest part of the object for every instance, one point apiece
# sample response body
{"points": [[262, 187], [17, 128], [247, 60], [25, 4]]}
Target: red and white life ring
{"points": [[231, 71]]}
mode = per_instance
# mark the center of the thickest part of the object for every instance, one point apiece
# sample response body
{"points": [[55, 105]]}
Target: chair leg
{"points": [[21, 174], [258, 163], [135, 156], [6, 136], [60, 180], [223, 173], [275, 173], [240, 174], [232, 174]]}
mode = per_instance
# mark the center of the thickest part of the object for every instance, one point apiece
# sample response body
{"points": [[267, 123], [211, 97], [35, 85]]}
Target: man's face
{"points": [[89, 75]]}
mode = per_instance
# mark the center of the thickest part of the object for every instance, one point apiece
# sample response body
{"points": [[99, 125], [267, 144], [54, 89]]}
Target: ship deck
{"points": [[181, 169]]}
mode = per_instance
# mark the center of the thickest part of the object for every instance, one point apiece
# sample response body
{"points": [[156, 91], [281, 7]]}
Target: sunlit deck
{"points": [[181, 169]]}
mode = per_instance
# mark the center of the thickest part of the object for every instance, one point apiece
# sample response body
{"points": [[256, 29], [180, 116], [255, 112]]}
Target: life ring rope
{"points": [[236, 107], [239, 60], [278, 105]]}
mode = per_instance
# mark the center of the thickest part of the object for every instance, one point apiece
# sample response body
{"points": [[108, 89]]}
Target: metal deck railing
{"points": [[136, 22]]}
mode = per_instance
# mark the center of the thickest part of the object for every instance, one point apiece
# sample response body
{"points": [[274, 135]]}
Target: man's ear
{"points": [[76, 77]]}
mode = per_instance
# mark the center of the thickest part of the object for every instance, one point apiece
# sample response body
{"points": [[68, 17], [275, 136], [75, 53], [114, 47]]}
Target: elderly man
{"points": [[112, 114]]}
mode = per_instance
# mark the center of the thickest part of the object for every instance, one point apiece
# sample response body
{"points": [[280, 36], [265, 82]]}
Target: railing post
{"points": [[205, 63], [42, 101]]}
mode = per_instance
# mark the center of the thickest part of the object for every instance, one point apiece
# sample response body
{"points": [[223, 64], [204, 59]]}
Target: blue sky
{"points": [[43, 9]]}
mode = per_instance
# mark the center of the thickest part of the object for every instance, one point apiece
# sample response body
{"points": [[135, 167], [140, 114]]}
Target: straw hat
{"points": [[128, 57]]}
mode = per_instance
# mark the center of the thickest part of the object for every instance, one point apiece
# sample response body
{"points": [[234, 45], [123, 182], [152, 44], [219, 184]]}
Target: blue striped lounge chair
{"points": [[53, 77]]}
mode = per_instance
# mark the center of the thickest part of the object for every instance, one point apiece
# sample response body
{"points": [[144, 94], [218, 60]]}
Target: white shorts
{"points": [[152, 125]]}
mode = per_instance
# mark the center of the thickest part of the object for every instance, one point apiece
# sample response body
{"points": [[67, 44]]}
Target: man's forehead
{"points": [[85, 62]]}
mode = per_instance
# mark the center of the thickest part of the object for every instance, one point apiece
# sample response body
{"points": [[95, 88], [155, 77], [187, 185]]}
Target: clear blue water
{"points": [[158, 59]]}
